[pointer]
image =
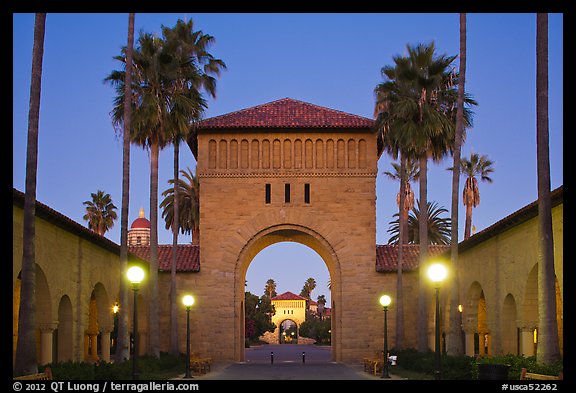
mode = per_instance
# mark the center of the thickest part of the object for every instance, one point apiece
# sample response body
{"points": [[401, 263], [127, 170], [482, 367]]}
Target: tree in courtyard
{"points": [[100, 212], [548, 342], [258, 312], [308, 287], [438, 227], [270, 288], [25, 361], [475, 166], [189, 204]]}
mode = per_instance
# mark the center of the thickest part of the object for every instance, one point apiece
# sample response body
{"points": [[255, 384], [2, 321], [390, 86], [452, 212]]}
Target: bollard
{"points": [[271, 357], [303, 357]]}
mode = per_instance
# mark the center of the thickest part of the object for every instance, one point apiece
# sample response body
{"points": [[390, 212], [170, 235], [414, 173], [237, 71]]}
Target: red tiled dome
{"points": [[141, 222]]}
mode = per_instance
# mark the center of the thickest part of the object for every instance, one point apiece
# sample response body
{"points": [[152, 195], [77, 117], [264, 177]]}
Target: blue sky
{"points": [[333, 60]]}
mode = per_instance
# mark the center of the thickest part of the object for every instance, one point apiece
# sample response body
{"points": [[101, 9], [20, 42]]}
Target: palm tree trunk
{"points": [[25, 360], [548, 345], [401, 239], [175, 229], [454, 346], [468, 223], [423, 294], [122, 342], [153, 321]]}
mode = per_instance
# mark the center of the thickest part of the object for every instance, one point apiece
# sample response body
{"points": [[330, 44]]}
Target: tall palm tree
{"points": [[438, 226], [189, 204], [475, 166], [25, 361], [122, 346], [412, 171], [100, 212], [422, 125], [189, 49], [308, 287], [454, 346], [270, 288], [388, 123], [548, 342]]}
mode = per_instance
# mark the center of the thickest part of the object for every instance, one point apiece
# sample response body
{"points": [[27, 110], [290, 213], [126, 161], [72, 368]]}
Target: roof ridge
{"points": [[286, 112]]}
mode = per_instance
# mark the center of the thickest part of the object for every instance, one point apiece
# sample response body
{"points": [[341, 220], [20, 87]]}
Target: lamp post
{"points": [[188, 301], [437, 273], [135, 276], [385, 301]]}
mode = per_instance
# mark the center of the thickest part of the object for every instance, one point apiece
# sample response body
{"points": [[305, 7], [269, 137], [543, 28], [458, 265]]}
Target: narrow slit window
{"points": [[268, 193], [287, 193], [306, 193]]}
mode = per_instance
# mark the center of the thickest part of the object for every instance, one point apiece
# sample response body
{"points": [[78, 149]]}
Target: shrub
{"points": [[149, 367]]}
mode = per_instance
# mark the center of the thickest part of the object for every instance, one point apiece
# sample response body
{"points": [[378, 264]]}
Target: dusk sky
{"points": [[332, 60]]}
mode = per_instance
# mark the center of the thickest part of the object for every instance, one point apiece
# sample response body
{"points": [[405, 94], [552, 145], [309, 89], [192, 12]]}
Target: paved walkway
{"points": [[288, 365]]}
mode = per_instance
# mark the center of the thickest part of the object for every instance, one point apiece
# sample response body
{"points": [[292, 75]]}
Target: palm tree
{"points": [[475, 166], [100, 212], [455, 320], [270, 288], [420, 123], [25, 361], [321, 300], [122, 347], [412, 173], [548, 343], [189, 49], [189, 204], [438, 227], [308, 287]]}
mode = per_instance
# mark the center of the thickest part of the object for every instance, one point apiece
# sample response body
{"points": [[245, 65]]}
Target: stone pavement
{"points": [[288, 365]]}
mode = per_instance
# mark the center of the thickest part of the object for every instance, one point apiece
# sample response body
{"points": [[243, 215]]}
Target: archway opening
{"points": [[296, 281], [292, 250]]}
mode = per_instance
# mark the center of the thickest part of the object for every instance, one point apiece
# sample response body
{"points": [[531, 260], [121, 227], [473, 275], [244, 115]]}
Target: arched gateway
{"points": [[288, 171]]}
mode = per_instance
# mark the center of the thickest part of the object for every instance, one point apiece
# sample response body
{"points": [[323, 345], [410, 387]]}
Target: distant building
{"points": [[139, 232]]}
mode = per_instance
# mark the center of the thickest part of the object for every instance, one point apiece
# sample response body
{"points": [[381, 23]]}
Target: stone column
{"points": [[93, 356], [469, 343], [46, 332], [527, 341], [105, 343]]}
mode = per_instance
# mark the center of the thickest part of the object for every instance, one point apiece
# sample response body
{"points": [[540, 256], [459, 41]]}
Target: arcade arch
{"points": [[286, 233]]}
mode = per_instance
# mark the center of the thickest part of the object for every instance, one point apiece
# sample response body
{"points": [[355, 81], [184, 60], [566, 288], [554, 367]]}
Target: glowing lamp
{"points": [[135, 274]]}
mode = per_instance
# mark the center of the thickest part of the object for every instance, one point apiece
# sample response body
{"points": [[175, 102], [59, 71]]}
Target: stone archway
{"points": [[288, 331], [65, 348], [283, 233], [509, 327]]}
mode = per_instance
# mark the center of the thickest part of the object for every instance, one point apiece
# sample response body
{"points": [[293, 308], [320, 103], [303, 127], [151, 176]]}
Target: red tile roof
{"points": [[289, 296], [187, 259], [387, 256], [286, 113]]}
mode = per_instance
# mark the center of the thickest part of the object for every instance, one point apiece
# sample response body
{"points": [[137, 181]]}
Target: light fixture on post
{"points": [[385, 301], [437, 272], [188, 301], [135, 275]]}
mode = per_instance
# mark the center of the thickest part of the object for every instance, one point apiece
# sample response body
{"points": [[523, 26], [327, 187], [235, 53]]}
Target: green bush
{"points": [[518, 362], [148, 367], [466, 367]]}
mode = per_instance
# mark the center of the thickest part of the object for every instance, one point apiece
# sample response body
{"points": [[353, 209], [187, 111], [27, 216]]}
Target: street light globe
{"points": [[135, 274], [188, 300], [437, 272], [385, 300]]}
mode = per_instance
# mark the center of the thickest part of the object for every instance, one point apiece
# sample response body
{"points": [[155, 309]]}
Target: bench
{"points": [[372, 365], [200, 365], [45, 376], [525, 375]]}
